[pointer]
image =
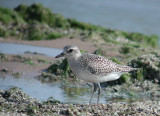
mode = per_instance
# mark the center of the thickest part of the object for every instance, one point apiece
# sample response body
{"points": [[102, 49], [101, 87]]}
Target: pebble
{"points": [[18, 104]]}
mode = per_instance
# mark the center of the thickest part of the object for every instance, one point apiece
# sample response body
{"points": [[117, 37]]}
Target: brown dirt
{"points": [[58, 43], [34, 70], [16, 65]]}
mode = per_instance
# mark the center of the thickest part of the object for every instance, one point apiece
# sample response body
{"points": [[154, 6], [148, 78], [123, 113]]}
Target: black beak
{"points": [[60, 55]]}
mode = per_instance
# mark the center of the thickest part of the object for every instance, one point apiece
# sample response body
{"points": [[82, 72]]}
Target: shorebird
{"points": [[92, 68]]}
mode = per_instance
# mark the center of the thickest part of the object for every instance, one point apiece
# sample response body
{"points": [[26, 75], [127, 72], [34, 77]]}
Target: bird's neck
{"points": [[75, 57]]}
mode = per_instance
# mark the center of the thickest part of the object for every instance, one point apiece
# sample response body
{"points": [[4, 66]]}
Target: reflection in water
{"points": [[66, 94], [78, 91], [42, 91], [77, 94], [80, 95], [33, 87]]}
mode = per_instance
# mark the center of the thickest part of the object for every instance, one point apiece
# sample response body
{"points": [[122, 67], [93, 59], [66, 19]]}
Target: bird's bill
{"points": [[60, 55]]}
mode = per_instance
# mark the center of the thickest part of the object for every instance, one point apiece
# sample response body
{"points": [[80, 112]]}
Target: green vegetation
{"points": [[83, 26], [3, 57], [100, 52], [149, 65], [53, 35], [25, 60], [52, 101], [138, 37], [61, 68], [126, 49], [29, 61], [37, 22], [3, 33], [9, 16], [17, 74], [125, 78], [115, 60]]}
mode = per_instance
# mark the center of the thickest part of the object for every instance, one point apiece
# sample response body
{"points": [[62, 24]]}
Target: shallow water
{"points": [[9, 48], [128, 15], [66, 94], [42, 91]]}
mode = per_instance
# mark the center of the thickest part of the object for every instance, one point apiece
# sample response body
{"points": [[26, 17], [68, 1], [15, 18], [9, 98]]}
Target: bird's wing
{"points": [[100, 65]]}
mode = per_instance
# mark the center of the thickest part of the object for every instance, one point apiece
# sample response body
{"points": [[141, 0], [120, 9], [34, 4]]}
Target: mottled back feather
{"points": [[100, 65]]}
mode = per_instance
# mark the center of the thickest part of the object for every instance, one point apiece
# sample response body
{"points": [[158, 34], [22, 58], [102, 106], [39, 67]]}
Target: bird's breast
{"points": [[80, 71]]}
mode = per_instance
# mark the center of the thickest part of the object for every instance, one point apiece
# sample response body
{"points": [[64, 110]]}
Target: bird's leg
{"points": [[99, 92], [94, 90]]}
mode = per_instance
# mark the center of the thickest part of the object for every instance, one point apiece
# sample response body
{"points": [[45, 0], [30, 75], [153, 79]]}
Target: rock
{"points": [[150, 65]]}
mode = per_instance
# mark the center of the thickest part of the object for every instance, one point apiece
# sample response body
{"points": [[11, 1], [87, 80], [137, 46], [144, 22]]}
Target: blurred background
{"points": [[132, 16]]}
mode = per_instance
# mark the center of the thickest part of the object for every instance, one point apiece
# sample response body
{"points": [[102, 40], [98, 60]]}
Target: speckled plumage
{"points": [[93, 68], [100, 65]]}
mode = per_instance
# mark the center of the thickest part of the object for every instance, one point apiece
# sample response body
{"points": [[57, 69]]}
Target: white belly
{"points": [[110, 77], [98, 78]]}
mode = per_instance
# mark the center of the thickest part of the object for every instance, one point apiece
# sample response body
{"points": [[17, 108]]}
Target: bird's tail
{"points": [[128, 69]]}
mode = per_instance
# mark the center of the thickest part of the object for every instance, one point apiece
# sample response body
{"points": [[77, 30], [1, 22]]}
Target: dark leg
{"points": [[95, 88], [99, 92]]}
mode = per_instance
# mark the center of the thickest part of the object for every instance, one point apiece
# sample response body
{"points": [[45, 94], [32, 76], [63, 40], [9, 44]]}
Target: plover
{"points": [[92, 68]]}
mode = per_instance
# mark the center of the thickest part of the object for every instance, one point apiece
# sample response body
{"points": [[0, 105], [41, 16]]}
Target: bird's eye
{"points": [[70, 50]]}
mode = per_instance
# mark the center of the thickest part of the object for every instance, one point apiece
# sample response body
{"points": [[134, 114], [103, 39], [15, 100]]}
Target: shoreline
{"points": [[58, 43], [23, 105]]}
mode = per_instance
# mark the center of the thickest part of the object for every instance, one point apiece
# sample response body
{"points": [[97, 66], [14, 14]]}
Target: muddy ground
{"points": [[18, 103]]}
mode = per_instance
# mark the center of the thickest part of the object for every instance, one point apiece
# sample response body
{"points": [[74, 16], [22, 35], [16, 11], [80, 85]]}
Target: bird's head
{"points": [[70, 52]]}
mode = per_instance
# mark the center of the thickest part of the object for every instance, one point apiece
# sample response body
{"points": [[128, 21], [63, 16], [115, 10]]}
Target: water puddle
{"points": [[42, 91], [9, 48], [65, 94]]}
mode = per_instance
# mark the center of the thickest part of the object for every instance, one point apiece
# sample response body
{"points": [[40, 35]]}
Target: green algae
{"points": [[3, 33], [115, 60], [144, 39], [52, 101], [8, 16], [3, 57], [62, 68], [100, 52], [38, 12], [52, 26], [83, 26], [149, 67]]}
